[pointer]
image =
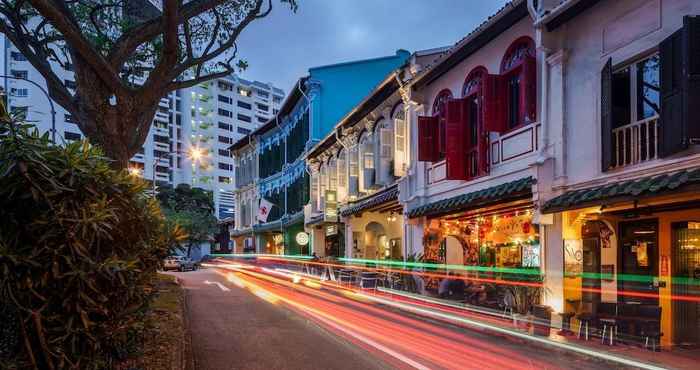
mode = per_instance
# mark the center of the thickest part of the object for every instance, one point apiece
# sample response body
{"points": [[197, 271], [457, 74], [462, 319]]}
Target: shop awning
{"points": [[314, 220], [293, 219], [269, 226], [367, 203], [495, 194], [624, 191], [242, 232]]}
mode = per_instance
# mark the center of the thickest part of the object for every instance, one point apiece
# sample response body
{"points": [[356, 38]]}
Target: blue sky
{"points": [[281, 47]]}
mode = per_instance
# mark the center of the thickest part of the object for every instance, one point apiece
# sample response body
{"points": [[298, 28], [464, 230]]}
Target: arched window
{"points": [[366, 161], [476, 140], [384, 151], [398, 117], [518, 69], [440, 111]]}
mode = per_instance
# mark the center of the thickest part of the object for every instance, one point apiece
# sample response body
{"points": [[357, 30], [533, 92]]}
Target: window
{"points": [[161, 154], [439, 111], [224, 153], [161, 139], [276, 99], [17, 56], [226, 126], [71, 136], [244, 118], [261, 119], [225, 99], [19, 93], [178, 105], [243, 92], [225, 113], [243, 131], [262, 107], [178, 120], [518, 69], [19, 74], [224, 180], [225, 166], [225, 140], [70, 84], [263, 94], [648, 87], [225, 86], [244, 105], [275, 111]]}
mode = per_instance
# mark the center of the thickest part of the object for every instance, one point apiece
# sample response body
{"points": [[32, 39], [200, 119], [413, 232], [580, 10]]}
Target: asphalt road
{"points": [[236, 329], [251, 321]]}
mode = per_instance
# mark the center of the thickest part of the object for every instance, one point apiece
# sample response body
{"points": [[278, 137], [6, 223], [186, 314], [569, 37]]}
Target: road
{"points": [[254, 320]]}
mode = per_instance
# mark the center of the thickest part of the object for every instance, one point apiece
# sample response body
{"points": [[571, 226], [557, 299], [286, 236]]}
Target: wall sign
{"points": [[331, 230], [573, 257], [302, 238]]}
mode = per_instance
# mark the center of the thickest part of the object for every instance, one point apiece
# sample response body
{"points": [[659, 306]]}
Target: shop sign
{"points": [[302, 238], [278, 238], [330, 213], [573, 257], [331, 230]]}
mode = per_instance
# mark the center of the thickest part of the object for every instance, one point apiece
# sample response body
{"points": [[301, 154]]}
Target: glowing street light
{"points": [[134, 171]]}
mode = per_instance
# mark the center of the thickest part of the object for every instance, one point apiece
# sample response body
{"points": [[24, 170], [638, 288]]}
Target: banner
{"points": [[264, 210]]}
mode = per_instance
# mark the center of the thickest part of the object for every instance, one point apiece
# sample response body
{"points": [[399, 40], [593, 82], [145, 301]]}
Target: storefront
{"points": [[639, 252], [374, 226]]}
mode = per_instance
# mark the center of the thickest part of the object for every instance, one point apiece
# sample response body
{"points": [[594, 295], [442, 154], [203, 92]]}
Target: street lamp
{"points": [[53, 111], [194, 153]]}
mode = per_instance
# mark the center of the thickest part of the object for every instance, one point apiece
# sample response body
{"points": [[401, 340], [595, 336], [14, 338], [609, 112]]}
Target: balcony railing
{"points": [[635, 143]]}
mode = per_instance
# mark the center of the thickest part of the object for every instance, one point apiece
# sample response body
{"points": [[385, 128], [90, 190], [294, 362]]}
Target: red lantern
{"points": [[526, 227]]}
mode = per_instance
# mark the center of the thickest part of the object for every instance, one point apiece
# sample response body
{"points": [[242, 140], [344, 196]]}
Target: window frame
{"points": [[512, 64], [439, 110]]}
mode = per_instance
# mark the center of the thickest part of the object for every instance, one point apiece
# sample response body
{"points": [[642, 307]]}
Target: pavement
{"points": [[249, 321], [237, 330]]}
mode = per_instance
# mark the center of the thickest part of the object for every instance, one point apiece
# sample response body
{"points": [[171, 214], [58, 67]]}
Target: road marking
{"points": [[221, 286]]}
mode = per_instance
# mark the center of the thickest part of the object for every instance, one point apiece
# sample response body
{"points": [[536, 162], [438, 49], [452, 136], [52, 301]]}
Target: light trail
{"points": [[346, 312]]}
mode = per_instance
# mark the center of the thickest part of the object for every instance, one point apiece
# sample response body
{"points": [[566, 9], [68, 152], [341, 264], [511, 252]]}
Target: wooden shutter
{"points": [[691, 44], [671, 128], [528, 90], [606, 117], [428, 135], [494, 104], [456, 128], [399, 147]]}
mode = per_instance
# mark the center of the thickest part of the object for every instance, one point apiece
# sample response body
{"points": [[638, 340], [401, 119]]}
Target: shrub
{"points": [[79, 247]]}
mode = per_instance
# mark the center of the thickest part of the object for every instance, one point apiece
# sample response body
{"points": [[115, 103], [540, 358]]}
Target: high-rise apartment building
{"points": [[207, 118]]}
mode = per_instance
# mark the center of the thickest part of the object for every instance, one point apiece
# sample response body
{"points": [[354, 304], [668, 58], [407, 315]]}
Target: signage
{"points": [[278, 238], [331, 230], [330, 212], [664, 265], [573, 257], [302, 238]]}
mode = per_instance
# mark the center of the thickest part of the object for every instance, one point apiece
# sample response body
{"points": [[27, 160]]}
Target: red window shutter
{"points": [[456, 139], [528, 90], [428, 132], [494, 104]]}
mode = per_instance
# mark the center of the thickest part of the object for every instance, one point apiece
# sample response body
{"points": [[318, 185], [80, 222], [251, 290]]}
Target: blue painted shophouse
{"points": [[277, 149]]}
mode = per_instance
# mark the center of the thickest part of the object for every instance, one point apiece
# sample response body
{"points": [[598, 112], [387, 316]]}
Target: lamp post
{"points": [[53, 111]]}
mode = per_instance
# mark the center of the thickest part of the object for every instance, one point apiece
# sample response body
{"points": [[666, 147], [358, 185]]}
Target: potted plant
{"points": [[524, 298]]}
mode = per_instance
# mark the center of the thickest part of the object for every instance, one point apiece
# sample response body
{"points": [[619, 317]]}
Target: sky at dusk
{"points": [[283, 46]]}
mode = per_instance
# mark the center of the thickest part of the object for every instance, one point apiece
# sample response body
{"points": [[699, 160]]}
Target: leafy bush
{"points": [[79, 247]]}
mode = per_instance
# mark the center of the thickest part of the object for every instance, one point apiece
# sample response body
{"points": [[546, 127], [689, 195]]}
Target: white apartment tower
{"points": [[208, 117]]}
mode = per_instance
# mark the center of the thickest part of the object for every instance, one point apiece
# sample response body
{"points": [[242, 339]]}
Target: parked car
{"points": [[180, 263]]}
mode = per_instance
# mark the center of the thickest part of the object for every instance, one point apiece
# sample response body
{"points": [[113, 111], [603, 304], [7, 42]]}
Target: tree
{"points": [[127, 55], [192, 210]]}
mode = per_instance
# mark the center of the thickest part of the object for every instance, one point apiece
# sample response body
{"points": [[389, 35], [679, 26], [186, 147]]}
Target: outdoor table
{"points": [[566, 322]]}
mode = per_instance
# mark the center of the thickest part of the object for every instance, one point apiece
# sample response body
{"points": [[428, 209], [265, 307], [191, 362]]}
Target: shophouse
{"points": [[354, 209], [279, 187], [621, 83], [470, 191]]}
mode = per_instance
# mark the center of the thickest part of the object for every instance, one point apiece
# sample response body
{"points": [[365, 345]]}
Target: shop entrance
{"points": [[590, 295], [638, 256], [685, 246]]}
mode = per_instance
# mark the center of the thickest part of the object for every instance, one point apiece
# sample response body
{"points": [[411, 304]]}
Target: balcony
{"points": [[635, 142]]}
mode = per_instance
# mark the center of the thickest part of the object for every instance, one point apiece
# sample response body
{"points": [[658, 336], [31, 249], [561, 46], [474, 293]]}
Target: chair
{"points": [[651, 326], [346, 276], [607, 318], [368, 280], [584, 319]]}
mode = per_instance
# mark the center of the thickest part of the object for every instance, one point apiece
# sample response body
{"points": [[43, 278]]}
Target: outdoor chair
{"points": [[584, 320], [607, 319]]}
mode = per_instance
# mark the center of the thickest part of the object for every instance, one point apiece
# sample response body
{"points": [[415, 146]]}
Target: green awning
{"points": [[622, 191], [499, 193], [383, 196]]}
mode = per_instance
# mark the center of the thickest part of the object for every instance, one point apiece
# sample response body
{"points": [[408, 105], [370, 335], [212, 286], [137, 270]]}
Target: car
{"points": [[180, 263]]}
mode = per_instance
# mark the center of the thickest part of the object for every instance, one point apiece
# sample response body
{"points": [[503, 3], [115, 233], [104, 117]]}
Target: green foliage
{"points": [[192, 210], [79, 247]]}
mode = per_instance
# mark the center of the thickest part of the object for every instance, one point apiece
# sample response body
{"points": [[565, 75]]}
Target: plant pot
{"points": [[542, 319]]}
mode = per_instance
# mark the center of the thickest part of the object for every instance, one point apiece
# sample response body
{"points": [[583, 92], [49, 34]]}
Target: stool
{"points": [[584, 319], [566, 322], [608, 323]]}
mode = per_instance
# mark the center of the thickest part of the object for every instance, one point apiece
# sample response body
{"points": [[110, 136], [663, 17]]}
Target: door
{"points": [[590, 295], [685, 247], [638, 256]]}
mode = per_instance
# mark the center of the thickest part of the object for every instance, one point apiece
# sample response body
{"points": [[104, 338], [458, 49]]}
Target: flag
{"points": [[264, 210]]}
